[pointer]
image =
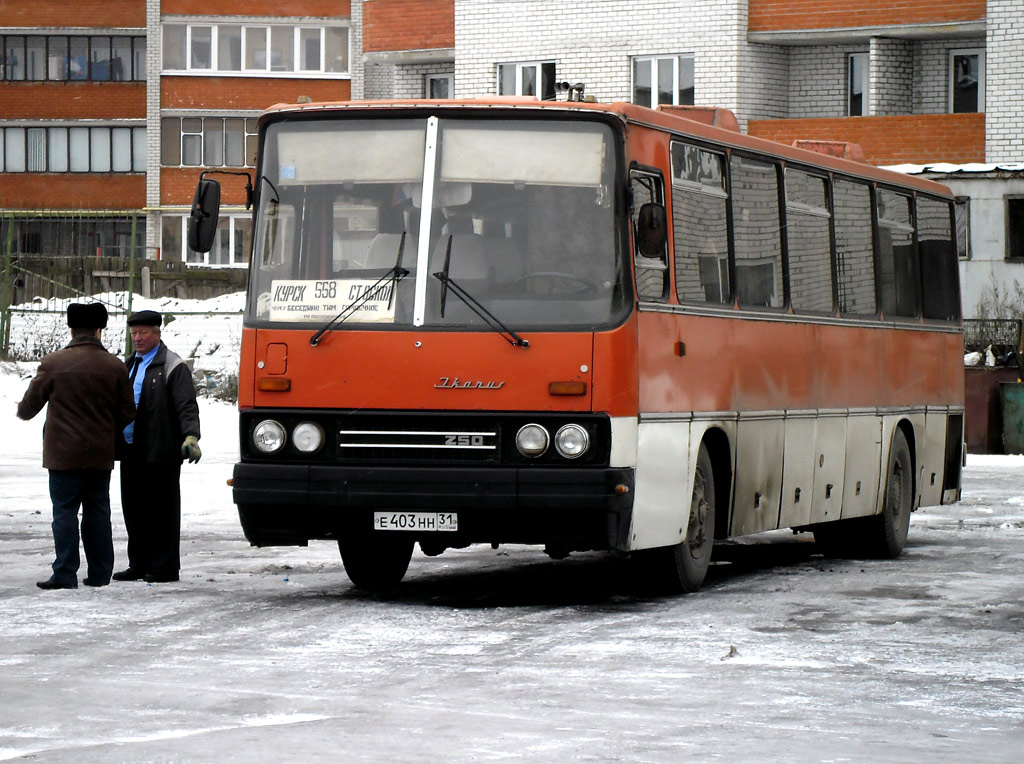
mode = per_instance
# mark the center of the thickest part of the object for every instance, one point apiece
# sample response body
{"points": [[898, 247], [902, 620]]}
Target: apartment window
{"points": [[255, 48], [663, 79], [439, 86], [231, 245], [51, 148], [207, 142], [528, 79], [857, 84], [1015, 227], [966, 81], [60, 58]]}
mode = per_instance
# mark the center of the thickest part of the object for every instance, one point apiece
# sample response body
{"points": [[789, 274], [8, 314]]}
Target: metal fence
{"points": [[208, 340], [1002, 334]]}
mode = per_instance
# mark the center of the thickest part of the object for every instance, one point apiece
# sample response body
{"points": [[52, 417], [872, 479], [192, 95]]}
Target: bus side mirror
{"points": [[652, 230], [202, 222]]}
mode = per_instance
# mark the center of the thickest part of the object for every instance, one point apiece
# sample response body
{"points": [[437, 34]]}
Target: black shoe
{"points": [[93, 582], [51, 584], [129, 574], [161, 578]]}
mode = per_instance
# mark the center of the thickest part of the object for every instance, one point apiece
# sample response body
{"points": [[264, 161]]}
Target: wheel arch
{"points": [[720, 451]]}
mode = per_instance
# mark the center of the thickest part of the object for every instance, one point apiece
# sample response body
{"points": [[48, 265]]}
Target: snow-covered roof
{"points": [[972, 168]]}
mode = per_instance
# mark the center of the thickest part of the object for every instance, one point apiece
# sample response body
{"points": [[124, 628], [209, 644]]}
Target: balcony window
{"points": [[256, 49], [58, 149], [857, 85], [966, 81]]}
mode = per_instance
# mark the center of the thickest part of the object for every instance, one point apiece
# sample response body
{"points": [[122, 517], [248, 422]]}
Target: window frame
{"points": [[202, 259], [954, 53], [538, 66], [962, 203], [653, 60], [292, 31], [249, 134], [56, 57], [1018, 201], [95, 138], [448, 77], [863, 60]]}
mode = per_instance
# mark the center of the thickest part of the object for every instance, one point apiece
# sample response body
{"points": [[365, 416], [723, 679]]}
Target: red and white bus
{"points": [[587, 327]]}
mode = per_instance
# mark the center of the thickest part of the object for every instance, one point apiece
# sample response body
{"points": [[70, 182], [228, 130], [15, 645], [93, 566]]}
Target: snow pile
{"points": [[206, 333]]}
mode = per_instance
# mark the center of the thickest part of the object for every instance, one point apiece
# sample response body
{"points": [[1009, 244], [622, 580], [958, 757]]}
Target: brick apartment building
{"points": [[111, 108]]}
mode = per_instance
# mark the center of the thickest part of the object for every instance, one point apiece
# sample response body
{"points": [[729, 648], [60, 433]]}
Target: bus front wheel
{"points": [[375, 563], [682, 567]]}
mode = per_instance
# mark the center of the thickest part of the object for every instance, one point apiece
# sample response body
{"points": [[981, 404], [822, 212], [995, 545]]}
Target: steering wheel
{"points": [[571, 280]]}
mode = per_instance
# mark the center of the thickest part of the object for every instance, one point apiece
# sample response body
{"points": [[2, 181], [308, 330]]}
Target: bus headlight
{"points": [[532, 440], [269, 436], [572, 441], [308, 437]]}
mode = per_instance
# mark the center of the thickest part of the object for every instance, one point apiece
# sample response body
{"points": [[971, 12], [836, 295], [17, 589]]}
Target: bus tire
{"points": [[886, 533], [375, 563], [883, 535], [682, 567]]}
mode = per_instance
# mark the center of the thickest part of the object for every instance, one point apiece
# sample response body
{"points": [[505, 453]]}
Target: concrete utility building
{"points": [[108, 110]]}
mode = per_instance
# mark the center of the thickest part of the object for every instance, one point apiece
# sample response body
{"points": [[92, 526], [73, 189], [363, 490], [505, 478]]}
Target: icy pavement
{"points": [[270, 656]]}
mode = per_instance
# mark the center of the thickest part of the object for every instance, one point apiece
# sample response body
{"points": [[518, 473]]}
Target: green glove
{"points": [[190, 449]]}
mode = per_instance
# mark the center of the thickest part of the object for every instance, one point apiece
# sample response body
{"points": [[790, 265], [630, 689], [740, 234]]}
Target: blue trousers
{"points": [[90, 490]]}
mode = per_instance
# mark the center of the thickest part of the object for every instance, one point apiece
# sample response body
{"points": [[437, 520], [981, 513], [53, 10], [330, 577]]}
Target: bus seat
{"points": [[350, 249], [383, 251], [479, 257], [467, 261]]}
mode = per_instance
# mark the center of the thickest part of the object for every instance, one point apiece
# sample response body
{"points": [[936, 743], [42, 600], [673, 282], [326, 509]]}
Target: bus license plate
{"points": [[415, 521]]}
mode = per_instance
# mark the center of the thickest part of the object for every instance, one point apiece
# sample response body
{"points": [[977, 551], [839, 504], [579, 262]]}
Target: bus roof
{"points": [[671, 120]]}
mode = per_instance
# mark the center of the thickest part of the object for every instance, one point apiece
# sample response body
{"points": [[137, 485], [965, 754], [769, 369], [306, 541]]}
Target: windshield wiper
{"points": [[396, 273], [472, 303]]}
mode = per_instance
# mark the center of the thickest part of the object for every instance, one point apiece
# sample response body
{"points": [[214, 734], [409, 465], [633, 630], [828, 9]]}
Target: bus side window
{"points": [[757, 232], [808, 241], [651, 255], [699, 225], [855, 259], [897, 260], [940, 295]]}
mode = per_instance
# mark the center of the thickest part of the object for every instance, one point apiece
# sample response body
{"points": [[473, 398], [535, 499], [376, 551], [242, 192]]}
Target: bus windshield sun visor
{"points": [[396, 273]]}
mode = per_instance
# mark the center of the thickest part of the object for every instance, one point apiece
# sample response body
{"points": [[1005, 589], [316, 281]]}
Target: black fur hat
{"points": [[87, 315]]}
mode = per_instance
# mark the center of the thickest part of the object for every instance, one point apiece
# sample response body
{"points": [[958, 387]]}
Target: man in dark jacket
{"points": [[90, 402], [165, 431]]}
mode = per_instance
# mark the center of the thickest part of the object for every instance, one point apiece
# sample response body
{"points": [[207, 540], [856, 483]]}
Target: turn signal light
{"points": [[567, 388], [274, 384]]}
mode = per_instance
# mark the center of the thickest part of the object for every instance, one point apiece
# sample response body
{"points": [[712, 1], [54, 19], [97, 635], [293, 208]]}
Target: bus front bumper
{"points": [[284, 504]]}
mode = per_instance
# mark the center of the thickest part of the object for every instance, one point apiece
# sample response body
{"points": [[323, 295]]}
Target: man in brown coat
{"points": [[90, 402]]}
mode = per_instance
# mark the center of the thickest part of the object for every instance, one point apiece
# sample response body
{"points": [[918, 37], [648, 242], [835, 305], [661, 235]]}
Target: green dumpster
{"points": [[1012, 398]]}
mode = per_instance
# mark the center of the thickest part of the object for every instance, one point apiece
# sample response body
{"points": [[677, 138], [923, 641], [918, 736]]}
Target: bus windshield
{"points": [[391, 221]]}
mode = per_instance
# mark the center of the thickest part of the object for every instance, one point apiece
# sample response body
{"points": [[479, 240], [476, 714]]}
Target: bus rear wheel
{"points": [[682, 567], [375, 563], [883, 535]]}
